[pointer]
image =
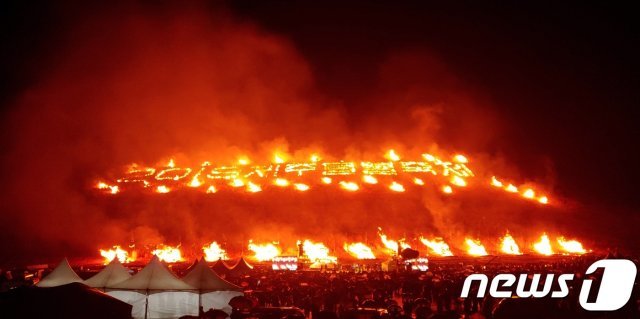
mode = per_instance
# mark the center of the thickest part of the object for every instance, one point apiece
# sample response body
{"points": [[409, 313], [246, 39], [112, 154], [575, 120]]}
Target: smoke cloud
{"points": [[138, 86]]}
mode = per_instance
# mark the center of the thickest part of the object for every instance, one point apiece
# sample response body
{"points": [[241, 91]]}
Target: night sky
{"points": [[560, 80]]}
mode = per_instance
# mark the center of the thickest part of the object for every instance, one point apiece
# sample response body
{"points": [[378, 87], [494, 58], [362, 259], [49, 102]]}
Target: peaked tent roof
{"points": [[154, 276], [220, 267], [203, 278], [61, 275], [241, 266], [113, 274]]}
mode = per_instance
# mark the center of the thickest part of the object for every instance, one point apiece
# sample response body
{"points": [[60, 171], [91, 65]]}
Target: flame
{"points": [[495, 182], [213, 252], [113, 189], [278, 158], [511, 188], [369, 179], [458, 181], [437, 246], [396, 187], [168, 254], [390, 244], [301, 187], [392, 156], [359, 250], [509, 246], [211, 190], [529, 193], [475, 248], [449, 174], [116, 252], [195, 181], [281, 182], [543, 246], [460, 159], [349, 186], [162, 189], [318, 252], [253, 188], [571, 246], [264, 252]]}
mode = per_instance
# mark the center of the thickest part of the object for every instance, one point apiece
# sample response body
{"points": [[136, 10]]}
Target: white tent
{"points": [[113, 273], [155, 292], [61, 275], [215, 292]]}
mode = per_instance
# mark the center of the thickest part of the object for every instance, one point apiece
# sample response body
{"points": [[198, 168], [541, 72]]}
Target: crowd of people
{"points": [[410, 294], [353, 293]]}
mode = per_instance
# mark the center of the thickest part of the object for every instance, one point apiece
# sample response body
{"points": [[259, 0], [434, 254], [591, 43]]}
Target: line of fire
{"points": [[450, 175]]}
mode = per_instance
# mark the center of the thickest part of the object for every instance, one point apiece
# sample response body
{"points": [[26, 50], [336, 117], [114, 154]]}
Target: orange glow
{"points": [[281, 182], [264, 252], [253, 188], [213, 252], [359, 250], [529, 193], [368, 179], [349, 186], [278, 158], [430, 170], [458, 181], [237, 183], [509, 246], [475, 248], [391, 245], [116, 252], [495, 182], [392, 156], [195, 182], [318, 252], [543, 246], [162, 189], [437, 246], [460, 159], [511, 188], [168, 254], [211, 190], [301, 187], [396, 187], [571, 246]]}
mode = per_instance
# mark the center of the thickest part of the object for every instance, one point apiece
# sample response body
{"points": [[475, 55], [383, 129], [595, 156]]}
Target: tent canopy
{"points": [[154, 276], [204, 279], [74, 300], [220, 267], [114, 273], [61, 275], [241, 267]]}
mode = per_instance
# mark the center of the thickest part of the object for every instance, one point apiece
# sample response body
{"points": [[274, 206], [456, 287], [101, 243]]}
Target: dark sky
{"points": [[562, 77]]}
